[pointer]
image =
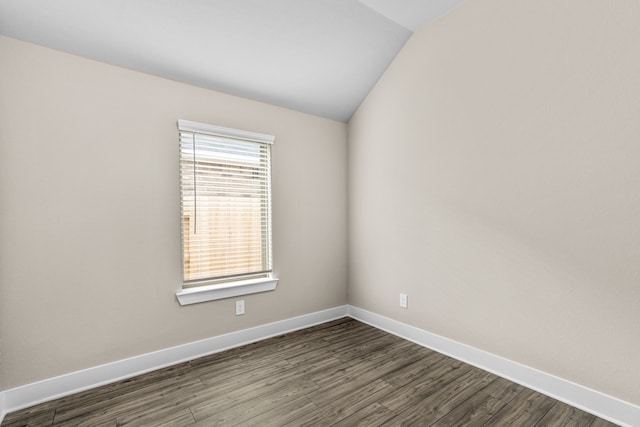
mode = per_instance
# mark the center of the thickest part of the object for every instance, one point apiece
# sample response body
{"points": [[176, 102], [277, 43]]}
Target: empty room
{"points": [[333, 212]]}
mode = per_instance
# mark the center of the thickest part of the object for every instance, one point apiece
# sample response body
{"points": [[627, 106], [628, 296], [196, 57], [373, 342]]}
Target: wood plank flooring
{"points": [[341, 373]]}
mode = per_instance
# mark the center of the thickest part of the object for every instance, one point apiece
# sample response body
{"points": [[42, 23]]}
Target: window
{"points": [[225, 193]]}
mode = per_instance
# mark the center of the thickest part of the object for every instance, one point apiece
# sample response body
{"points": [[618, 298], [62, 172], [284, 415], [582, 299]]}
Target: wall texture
{"points": [[494, 177], [89, 214]]}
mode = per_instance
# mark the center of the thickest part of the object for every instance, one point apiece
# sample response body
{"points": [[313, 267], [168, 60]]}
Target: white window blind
{"points": [[225, 188]]}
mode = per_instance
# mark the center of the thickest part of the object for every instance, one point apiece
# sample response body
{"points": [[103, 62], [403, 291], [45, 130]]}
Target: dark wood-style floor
{"points": [[341, 373]]}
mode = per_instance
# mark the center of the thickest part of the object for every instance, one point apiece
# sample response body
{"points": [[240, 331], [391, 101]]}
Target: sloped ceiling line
{"points": [[318, 57]]}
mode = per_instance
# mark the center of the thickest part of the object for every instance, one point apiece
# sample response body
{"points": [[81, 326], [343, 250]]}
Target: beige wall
{"points": [[89, 216], [494, 176]]}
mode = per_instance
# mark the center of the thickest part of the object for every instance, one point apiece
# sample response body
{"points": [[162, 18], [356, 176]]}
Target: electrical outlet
{"points": [[404, 301], [239, 307]]}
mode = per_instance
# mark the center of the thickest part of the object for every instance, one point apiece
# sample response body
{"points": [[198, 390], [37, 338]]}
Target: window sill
{"points": [[226, 290]]}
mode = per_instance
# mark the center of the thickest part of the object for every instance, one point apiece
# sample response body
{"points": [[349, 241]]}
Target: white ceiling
{"points": [[317, 56]]}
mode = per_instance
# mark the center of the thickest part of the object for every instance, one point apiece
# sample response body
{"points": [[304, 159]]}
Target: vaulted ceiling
{"points": [[316, 56]]}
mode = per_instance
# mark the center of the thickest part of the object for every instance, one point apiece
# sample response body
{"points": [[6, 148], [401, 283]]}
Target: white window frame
{"points": [[207, 290]]}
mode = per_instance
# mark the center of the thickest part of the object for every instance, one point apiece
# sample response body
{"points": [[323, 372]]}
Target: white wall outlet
{"points": [[239, 307], [404, 301]]}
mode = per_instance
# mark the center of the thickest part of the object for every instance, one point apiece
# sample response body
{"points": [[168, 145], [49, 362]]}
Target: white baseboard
{"points": [[2, 411], [599, 404], [53, 388], [594, 402]]}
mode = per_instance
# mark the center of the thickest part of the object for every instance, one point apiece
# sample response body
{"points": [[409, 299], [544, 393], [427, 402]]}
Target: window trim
{"points": [[196, 127], [205, 293], [194, 292]]}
